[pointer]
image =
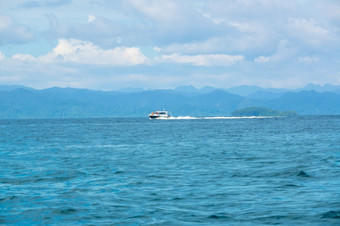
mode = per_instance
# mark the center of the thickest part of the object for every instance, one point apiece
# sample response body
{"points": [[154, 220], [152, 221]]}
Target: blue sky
{"points": [[108, 45]]}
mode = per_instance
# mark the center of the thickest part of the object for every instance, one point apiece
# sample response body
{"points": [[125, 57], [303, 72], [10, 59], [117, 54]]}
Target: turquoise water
{"points": [[186, 171]]}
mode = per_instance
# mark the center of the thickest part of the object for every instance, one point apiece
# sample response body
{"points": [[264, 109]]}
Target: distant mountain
{"points": [[186, 89], [244, 90], [265, 95], [251, 90], [255, 92], [21, 102], [308, 103], [207, 89], [131, 90], [324, 88], [12, 87], [191, 89]]}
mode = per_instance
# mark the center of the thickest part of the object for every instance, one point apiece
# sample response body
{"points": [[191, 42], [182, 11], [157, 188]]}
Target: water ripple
{"points": [[136, 171]]}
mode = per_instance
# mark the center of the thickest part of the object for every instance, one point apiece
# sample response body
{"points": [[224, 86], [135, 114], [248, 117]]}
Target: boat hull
{"points": [[157, 117]]}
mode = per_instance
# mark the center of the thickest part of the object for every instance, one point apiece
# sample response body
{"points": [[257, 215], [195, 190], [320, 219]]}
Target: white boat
{"points": [[159, 114]]}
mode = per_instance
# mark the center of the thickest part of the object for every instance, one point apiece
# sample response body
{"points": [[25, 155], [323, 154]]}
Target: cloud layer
{"points": [[14, 33], [76, 51], [153, 44]]}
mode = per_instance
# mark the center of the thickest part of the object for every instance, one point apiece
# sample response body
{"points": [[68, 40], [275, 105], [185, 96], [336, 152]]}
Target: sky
{"points": [[161, 44]]}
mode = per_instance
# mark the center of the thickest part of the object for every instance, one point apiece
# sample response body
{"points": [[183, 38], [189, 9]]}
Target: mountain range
{"points": [[25, 102]]}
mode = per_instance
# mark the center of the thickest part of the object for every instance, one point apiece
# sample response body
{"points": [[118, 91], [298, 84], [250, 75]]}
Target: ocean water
{"points": [[184, 171]]}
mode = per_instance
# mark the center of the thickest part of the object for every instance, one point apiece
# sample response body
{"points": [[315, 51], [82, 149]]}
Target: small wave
{"points": [[218, 216], [8, 198], [331, 214], [66, 211], [302, 173]]}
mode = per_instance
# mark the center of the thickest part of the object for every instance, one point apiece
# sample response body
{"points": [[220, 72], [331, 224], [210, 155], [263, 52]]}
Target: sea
{"points": [[181, 171]]}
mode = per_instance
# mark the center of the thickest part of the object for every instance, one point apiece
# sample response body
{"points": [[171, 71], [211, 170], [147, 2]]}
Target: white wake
{"points": [[215, 117]]}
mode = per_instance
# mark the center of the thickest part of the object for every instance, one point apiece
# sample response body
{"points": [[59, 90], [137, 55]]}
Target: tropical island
{"points": [[258, 111]]}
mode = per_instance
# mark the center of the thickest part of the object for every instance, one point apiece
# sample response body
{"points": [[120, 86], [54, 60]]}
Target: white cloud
{"points": [[12, 32], [262, 59], [170, 21], [99, 30], [5, 22], [24, 57], [308, 59], [262, 39], [332, 7], [310, 27], [83, 52], [157, 49], [2, 56], [44, 3], [286, 51], [91, 18], [310, 31], [250, 27], [202, 60], [156, 9], [214, 20]]}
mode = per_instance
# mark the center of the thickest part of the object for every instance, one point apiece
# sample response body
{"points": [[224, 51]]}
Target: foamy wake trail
{"points": [[216, 117], [244, 117], [184, 117]]}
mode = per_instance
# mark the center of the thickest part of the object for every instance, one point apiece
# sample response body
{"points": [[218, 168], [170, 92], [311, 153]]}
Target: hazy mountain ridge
{"points": [[24, 102]]}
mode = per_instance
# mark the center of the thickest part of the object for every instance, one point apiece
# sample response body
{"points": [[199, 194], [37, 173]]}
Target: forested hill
{"points": [[23, 102]]}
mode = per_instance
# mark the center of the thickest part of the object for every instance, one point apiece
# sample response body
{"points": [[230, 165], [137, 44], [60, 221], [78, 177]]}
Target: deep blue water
{"points": [[170, 172]]}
